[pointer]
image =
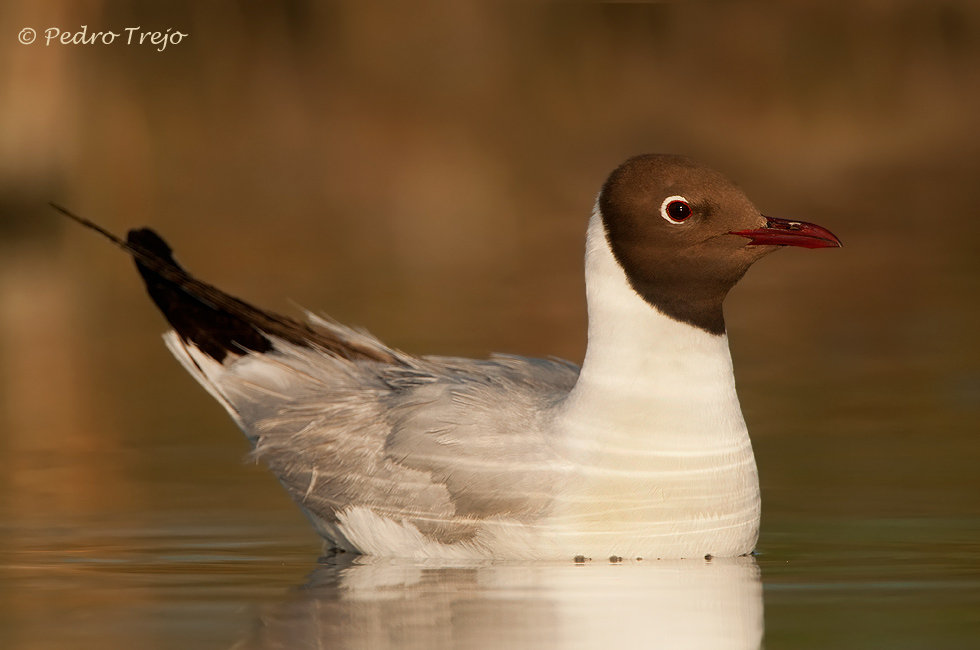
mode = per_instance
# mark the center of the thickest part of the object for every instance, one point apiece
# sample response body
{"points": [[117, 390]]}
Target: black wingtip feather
{"points": [[211, 327], [150, 241], [212, 320]]}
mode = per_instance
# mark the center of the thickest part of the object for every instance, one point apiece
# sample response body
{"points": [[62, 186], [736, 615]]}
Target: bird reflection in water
{"points": [[373, 602]]}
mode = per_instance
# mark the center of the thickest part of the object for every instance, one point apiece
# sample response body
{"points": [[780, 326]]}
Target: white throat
{"points": [[660, 456], [649, 381]]}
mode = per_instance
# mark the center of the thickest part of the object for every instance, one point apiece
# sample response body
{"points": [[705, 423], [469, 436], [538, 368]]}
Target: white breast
{"points": [[665, 465]]}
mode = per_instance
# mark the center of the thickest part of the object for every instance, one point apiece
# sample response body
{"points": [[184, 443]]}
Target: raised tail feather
{"points": [[217, 323]]}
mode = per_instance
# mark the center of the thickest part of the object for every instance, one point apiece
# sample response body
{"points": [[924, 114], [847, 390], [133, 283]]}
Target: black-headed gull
{"points": [[643, 453]]}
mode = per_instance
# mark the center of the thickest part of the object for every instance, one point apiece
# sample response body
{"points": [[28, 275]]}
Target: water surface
{"points": [[230, 576]]}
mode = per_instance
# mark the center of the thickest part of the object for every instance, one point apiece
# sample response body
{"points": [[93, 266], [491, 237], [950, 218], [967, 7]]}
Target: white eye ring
{"points": [[675, 199]]}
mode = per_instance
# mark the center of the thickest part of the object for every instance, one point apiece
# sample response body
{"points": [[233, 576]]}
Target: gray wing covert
{"points": [[442, 443], [482, 429]]}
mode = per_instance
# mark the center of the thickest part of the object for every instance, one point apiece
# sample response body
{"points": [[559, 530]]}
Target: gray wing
{"points": [[344, 421], [482, 429], [442, 443]]}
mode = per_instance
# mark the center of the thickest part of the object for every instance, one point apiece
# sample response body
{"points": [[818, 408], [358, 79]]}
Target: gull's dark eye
{"points": [[678, 210], [675, 209]]}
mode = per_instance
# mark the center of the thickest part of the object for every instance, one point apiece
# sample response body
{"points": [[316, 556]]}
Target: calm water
{"points": [[232, 576]]}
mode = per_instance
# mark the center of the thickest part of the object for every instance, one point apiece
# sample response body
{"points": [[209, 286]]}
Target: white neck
{"points": [[648, 382], [661, 463]]}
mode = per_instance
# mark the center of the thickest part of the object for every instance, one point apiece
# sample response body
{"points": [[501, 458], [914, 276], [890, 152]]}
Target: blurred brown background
{"points": [[426, 170]]}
